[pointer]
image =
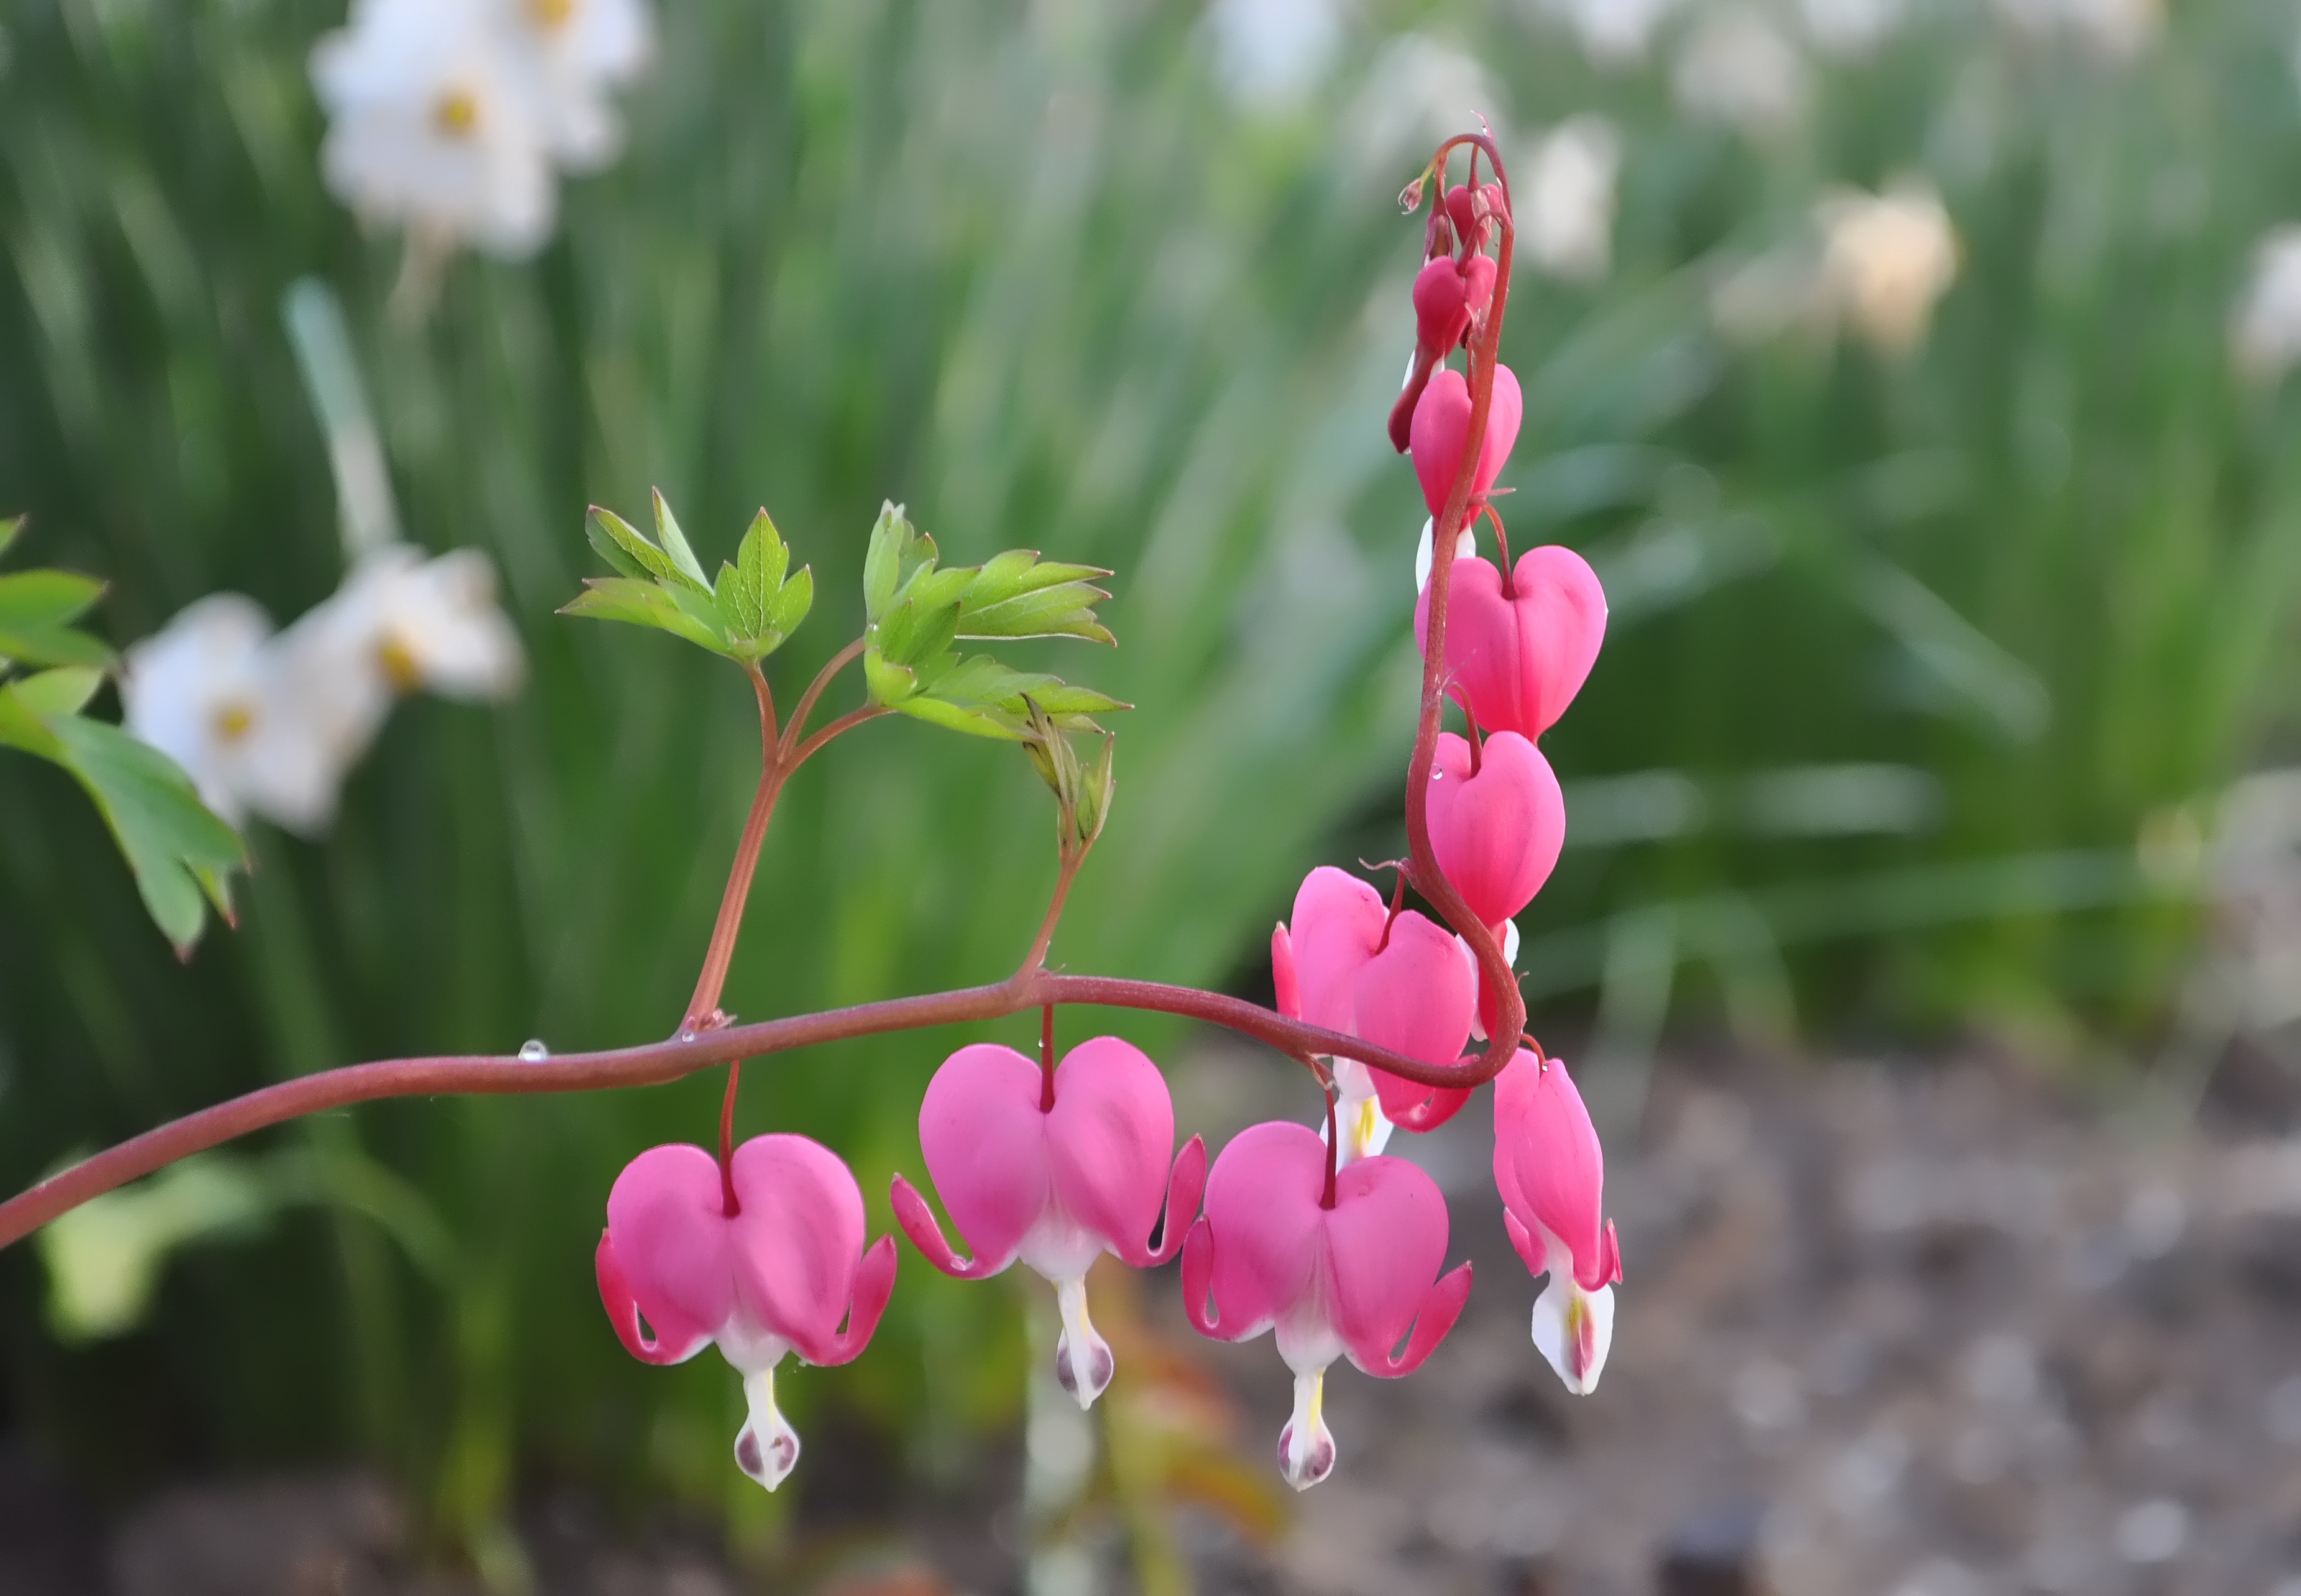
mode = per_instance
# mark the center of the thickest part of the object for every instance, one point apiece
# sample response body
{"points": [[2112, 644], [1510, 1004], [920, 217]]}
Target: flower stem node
{"points": [[1056, 1185], [1550, 1172], [677, 1273], [1352, 1280]]}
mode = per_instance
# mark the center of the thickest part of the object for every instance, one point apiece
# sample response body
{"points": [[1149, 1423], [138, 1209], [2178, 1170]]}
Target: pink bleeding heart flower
{"points": [[1057, 1180], [1441, 315], [1441, 427], [1496, 829], [1343, 963], [1517, 660], [1350, 1279], [1552, 1174], [775, 1278]]}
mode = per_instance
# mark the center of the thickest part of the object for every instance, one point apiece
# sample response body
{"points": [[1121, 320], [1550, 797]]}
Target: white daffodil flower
{"points": [[405, 622], [564, 54], [210, 690], [434, 126]]}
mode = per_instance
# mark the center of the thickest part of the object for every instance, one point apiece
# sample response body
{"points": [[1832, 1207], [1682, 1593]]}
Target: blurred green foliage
{"points": [[1027, 270]]}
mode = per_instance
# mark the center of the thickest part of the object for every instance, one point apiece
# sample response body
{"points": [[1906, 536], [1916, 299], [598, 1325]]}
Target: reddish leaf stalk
{"points": [[703, 1008]]}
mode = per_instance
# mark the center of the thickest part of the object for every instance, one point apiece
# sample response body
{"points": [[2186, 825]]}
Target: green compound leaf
{"points": [[754, 607], [1016, 596], [983, 698], [37, 609]]}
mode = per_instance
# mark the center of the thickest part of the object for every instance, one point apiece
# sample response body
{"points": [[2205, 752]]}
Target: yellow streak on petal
{"points": [[400, 665], [233, 721], [456, 114], [551, 14]]}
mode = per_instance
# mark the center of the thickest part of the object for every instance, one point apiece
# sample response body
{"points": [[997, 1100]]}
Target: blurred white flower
{"points": [[1740, 70], [414, 624], [2265, 327], [1563, 197], [446, 116], [564, 54], [430, 128], [271, 724], [1270, 54], [1417, 92], [1614, 33], [209, 691], [2114, 29], [1886, 260], [1852, 28]]}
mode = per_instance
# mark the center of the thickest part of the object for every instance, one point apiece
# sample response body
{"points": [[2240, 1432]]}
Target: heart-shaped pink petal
{"points": [[1258, 1248], [1110, 1138], [797, 1240], [671, 1245], [1497, 833], [1442, 423], [1338, 923], [1416, 997], [1387, 1234], [985, 1139], [1516, 663], [1442, 308]]}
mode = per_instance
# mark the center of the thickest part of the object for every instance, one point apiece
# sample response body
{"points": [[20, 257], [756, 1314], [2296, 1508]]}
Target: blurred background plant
{"points": [[1911, 373]]}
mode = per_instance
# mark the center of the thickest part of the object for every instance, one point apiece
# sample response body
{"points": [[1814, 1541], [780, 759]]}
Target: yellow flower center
{"points": [[456, 114], [233, 721], [549, 14], [400, 665]]}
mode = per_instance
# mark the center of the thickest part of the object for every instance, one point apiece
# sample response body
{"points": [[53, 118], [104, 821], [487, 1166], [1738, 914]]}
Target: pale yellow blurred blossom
{"points": [[1614, 33], [1874, 267], [270, 724], [1887, 260], [1740, 70], [1563, 197], [447, 117], [2265, 326]]}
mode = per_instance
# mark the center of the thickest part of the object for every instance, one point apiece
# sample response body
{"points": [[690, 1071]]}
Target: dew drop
{"points": [[533, 1051], [687, 1034]]}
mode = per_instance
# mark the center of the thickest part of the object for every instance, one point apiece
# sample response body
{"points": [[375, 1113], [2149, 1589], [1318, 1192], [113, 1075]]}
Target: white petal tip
{"points": [[1575, 1330], [1306, 1447], [766, 1449], [1083, 1364]]}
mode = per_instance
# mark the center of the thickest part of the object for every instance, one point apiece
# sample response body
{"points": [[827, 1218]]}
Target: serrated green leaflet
{"points": [[1021, 570], [639, 603], [745, 616], [639, 557], [882, 560], [1064, 610], [37, 609], [887, 684]]}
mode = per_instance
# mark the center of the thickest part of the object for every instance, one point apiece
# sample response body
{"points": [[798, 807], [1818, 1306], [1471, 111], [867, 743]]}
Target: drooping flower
{"points": [[1055, 1172], [1516, 661], [432, 126], [1886, 260], [1342, 962], [1550, 1172], [1441, 427], [1565, 211], [1496, 829], [1345, 1271], [678, 1272], [213, 691]]}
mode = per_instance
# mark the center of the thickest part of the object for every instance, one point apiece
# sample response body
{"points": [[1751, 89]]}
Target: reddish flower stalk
{"points": [[1485, 343]]}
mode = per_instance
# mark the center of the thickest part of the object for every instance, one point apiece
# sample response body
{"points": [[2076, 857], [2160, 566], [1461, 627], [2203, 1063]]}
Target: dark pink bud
{"points": [[1442, 425], [1462, 209], [777, 1278], [1056, 1187], [1442, 308], [1355, 1279], [1497, 833], [1478, 281], [1516, 663]]}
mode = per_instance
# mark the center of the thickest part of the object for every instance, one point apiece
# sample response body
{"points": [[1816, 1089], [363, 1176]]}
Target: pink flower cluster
{"points": [[1336, 1248]]}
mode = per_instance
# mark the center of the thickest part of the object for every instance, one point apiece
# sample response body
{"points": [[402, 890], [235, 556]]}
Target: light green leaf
{"points": [[674, 543], [104, 1256], [792, 603], [638, 551], [1021, 570], [10, 526], [885, 684], [637, 602], [64, 691], [180, 854], [36, 608], [1067, 610], [971, 719], [883, 562], [610, 536]]}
